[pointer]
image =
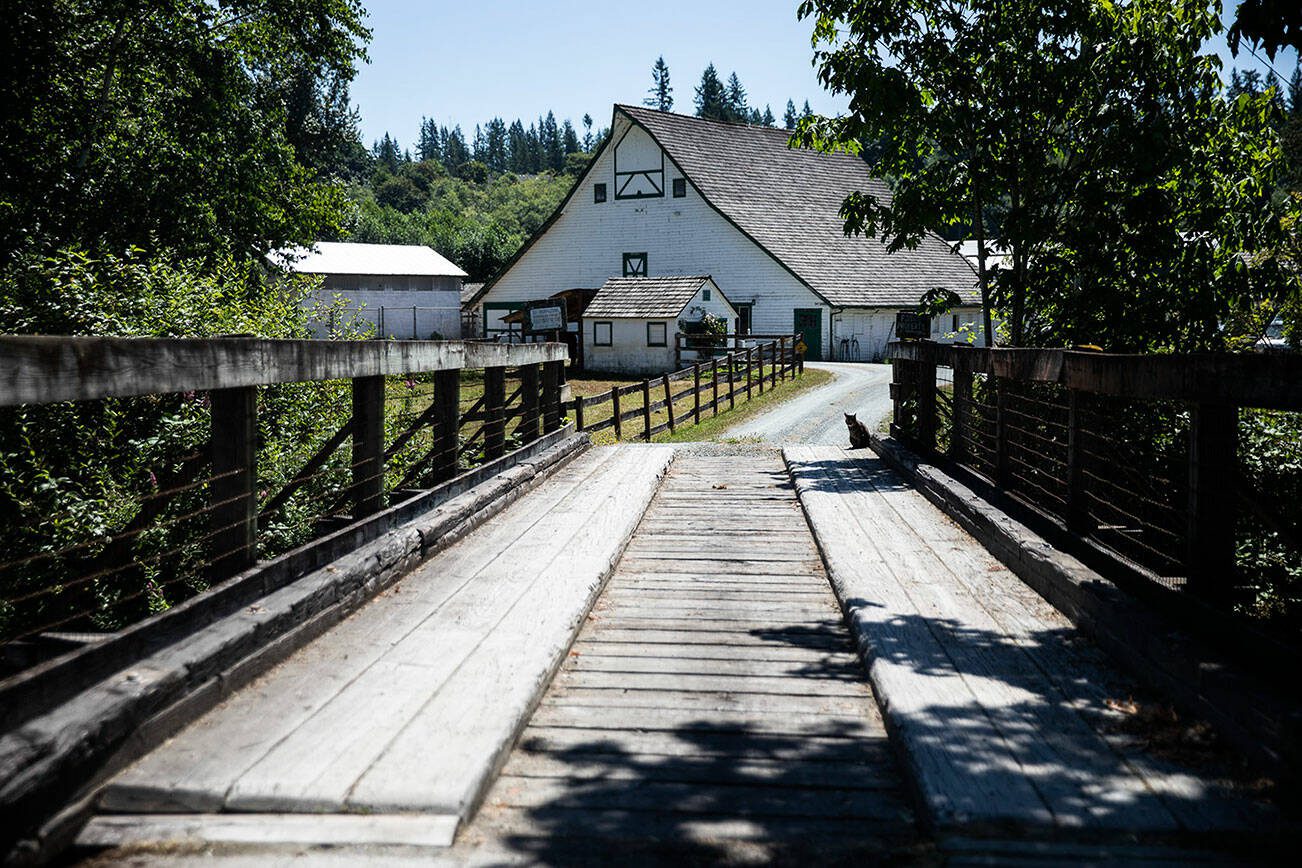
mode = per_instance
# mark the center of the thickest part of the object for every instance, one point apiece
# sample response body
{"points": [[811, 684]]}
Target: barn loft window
{"points": [[598, 193], [680, 188], [601, 334], [635, 265], [705, 294], [656, 335]]}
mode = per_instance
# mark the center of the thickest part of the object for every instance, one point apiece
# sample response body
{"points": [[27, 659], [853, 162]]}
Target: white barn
{"points": [[406, 291], [629, 327], [669, 194]]}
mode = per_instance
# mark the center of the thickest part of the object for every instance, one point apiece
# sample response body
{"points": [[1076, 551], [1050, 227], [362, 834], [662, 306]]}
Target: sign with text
{"points": [[912, 325], [545, 318]]}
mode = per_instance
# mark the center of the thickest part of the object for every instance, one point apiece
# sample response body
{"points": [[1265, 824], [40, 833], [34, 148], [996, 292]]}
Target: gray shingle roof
{"points": [[643, 297], [788, 200]]}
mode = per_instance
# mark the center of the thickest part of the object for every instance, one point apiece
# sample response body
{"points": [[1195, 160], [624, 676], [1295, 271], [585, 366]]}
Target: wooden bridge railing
{"points": [[744, 372], [1187, 466], [397, 407]]}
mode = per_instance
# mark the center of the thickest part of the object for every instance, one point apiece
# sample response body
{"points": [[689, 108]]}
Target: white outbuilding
{"points": [[405, 291], [631, 325]]}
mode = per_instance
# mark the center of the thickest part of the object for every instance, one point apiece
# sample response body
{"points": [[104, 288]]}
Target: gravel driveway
{"points": [[817, 416]]}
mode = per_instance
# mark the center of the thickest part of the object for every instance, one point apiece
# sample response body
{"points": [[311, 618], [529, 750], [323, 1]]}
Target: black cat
{"points": [[858, 432]]}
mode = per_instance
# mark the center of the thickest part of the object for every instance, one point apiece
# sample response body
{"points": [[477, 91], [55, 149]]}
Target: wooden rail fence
{"points": [[38, 588], [746, 372], [1141, 454]]}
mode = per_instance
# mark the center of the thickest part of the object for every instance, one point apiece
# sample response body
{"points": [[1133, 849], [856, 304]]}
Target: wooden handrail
{"points": [[41, 369]]}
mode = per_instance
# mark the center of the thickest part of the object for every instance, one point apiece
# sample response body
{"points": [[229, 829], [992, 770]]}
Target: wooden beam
{"points": [[1213, 447], [696, 401], [232, 493], [447, 397], [646, 410], [40, 369], [553, 375], [494, 413], [367, 490], [528, 427], [714, 384], [669, 403], [614, 407]]}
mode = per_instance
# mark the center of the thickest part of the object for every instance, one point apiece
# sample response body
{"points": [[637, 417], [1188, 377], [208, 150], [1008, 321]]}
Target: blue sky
{"points": [[467, 61]]}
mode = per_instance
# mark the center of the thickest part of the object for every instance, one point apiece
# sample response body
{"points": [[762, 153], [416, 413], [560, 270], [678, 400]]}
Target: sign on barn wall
{"points": [[548, 317], [912, 325]]}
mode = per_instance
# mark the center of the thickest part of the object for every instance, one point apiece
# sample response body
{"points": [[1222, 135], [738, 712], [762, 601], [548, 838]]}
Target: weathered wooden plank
{"points": [[786, 746], [39, 369], [637, 768], [688, 682], [323, 830]]}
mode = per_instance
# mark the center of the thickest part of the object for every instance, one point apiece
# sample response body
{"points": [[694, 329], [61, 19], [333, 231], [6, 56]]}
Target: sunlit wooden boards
{"points": [[712, 708], [999, 705], [408, 706]]}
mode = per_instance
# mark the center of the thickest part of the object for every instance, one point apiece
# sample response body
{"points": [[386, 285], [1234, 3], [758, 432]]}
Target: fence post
{"points": [[578, 412], [925, 373], [714, 385], [669, 403], [1001, 430], [696, 393], [494, 412], [961, 399], [232, 494], [646, 410], [750, 361], [1213, 459], [528, 427], [783, 350], [614, 405], [732, 396], [773, 368], [1077, 514], [551, 397], [759, 351], [368, 446], [447, 422]]}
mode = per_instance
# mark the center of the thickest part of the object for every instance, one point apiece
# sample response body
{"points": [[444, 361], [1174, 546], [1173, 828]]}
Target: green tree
{"points": [[734, 101], [202, 126], [1133, 200], [767, 119], [661, 95], [789, 117], [711, 99]]}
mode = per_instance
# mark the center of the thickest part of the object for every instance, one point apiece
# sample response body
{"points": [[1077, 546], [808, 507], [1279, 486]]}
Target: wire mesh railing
{"points": [[137, 474], [1188, 468]]}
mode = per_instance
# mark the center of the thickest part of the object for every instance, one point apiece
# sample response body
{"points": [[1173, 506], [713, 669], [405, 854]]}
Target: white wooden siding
{"points": [[585, 246], [629, 353], [872, 328]]}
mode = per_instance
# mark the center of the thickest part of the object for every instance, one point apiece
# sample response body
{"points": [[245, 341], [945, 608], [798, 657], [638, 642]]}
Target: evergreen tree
{"points": [[427, 144], [552, 146], [806, 111], [735, 108], [533, 150], [455, 152], [569, 139], [661, 95], [587, 133], [518, 142], [479, 146], [711, 98], [768, 120], [495, 145], [789, 116], [387, 153]]}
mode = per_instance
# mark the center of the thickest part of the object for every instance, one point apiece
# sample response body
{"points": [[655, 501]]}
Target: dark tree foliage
{"points": [[1268, 24], [789, 117], [192, 125], [711, 97], [661, 95]]}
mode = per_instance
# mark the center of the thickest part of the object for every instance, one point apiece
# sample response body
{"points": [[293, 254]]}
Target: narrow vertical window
{"points": [[680, 188], [598, 193]]}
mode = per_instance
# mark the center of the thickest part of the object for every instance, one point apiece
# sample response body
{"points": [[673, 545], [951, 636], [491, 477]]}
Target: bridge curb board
{"points": [[1264, 725], [56, 761], [1001, 715]]}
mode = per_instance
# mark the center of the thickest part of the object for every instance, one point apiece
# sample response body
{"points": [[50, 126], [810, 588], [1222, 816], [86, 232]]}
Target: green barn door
{"points": [[809, 322]]}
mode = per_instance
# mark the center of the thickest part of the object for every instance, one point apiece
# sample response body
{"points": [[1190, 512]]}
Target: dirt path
{"points": [[818, 416]]}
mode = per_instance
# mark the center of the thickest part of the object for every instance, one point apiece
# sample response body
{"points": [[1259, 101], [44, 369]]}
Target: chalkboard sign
{"points": [[545, 318], [912, 325]]}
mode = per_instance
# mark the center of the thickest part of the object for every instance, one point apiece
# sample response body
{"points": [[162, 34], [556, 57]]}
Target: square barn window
{"points": [[635, 265], [656, 335], [680, 188], [598, 193], [601, 334]]}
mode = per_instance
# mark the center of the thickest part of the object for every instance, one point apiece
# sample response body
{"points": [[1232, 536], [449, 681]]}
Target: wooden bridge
{"points": [[573, 654]]}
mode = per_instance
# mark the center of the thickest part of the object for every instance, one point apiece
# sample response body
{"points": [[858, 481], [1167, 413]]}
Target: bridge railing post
{"points": [[553, 376], [960, 404], [447, 395], [1213, 448], [1001, 387], [1077, 514], [925, 406], [233, 490], [528, 426], [494, 412], [367, 493]]}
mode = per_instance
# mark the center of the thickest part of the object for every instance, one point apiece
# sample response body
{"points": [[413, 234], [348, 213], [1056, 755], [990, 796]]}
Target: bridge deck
{"points": [[712, 707]]}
